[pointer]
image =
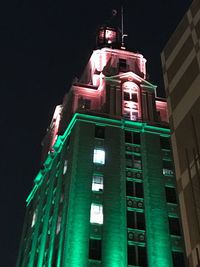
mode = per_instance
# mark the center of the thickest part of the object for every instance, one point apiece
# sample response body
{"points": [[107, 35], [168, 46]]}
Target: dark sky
{"points": [[42, 48]]}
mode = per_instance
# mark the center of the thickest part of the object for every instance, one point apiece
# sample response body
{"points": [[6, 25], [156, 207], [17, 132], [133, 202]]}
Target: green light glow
{"points": [[144, 127], [156, 214], [31, 195], [73, 239]]}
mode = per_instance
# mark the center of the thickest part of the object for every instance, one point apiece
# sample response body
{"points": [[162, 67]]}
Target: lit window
{"points": [[34, 218], [167, 168], [65, 167], [97, 183], [167, 172], [99, 156], [58, 225], [96, 213]]}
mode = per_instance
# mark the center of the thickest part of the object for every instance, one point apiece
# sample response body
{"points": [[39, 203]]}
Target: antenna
{"points": [[122, 27]]}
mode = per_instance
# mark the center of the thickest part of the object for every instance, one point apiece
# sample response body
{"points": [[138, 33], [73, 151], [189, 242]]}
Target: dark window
{"points": [[99, 132], [170, 194], [129, 161], [140, 221], [128, 137], [134, 189], [132, 137], [134, 97], [55, 256], [139, 189], [132, 255], [137, 163], [165, 143], [135, 220], [126, 96], [142, 256], [47, 242], [84, 103], [129, 188], [130, 97], [36, 258], [133, 161], [178, 259], [137, 256], [122, 64], [174, 226], [167, 164], [136, 138], [95, 249]]}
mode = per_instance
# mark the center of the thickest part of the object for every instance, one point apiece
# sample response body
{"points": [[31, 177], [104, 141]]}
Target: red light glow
{"points": [[161, 108], [55, 124], [131, 106]]}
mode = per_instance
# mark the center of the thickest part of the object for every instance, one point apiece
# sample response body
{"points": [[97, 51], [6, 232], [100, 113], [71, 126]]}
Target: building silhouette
{"points": [[181, 68], [106, 192]]}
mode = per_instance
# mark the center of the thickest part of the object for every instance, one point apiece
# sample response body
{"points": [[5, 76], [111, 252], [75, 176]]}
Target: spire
{"points": [[111, 35], [122, 28]]}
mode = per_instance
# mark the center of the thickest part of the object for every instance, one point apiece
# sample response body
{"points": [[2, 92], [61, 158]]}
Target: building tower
{"points": [[181, 69], [106, 192]]}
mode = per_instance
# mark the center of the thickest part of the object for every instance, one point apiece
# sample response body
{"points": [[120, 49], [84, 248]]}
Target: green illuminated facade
{"points": [[105, 195]]}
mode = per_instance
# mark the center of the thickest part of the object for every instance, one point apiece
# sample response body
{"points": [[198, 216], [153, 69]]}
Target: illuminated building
{"points": [[106, 195], [181, 68]]}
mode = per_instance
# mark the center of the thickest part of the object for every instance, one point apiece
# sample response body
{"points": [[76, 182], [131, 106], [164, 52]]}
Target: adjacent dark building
{"points": [[181, 68]]}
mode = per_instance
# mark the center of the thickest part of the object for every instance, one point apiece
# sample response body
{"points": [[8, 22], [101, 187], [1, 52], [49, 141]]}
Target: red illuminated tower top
{"points": [[112, 85]]}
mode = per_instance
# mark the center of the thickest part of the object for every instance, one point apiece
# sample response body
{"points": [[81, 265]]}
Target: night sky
{"points": [[43, 46]]}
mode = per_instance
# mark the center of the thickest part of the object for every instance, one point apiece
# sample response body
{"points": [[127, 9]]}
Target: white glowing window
{"points": [[58, 225], [99, 156], [97, 183], [96, 213], [34, 218], [65, 167], [167, 172]]}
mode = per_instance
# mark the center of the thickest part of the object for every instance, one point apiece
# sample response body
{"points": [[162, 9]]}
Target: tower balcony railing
{"points": [[135, 203], [132, 148], [94, 263], [134, 173], [136, 236], [95, 230]]}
